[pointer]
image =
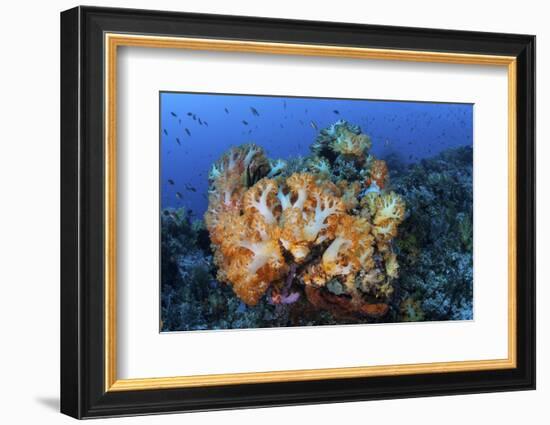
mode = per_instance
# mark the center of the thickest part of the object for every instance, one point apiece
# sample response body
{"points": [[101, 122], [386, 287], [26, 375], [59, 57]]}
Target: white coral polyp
{"points": [[323, 210], [261, 205]]}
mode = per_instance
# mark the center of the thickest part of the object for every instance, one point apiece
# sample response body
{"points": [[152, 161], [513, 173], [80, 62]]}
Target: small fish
{"points": [[178, 195], [284, 104], [173, 114], [165, 132], [336, 111], [189, 114], [194, 117], [254, 111], [188, 132], [178, 141], [200, 122], [205, 123], [226, 110], [314, 126], [191, 188], [245, 122], [171, 182]]}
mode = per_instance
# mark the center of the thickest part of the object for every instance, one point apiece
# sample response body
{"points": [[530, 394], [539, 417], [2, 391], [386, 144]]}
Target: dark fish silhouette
{"points": [[245, 122], [173, 114], [336, 111], [178, 141], [178, 195], [191, 188], [200, 122], [189, 114], [205, 123], [254, 111], [284, 104], [171, 182], [165, 132], [314, 126], [188, 132], [226, 110]]}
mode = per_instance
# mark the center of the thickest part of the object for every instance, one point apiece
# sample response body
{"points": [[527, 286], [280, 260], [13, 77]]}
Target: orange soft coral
{"points": [[351, 249], [228, 180], [314, 228], [390, 212], [389, 207], [378, 173], [252, 258], [295, 215], [310, 218], [262, 198], [351, 144], [350, 193]]}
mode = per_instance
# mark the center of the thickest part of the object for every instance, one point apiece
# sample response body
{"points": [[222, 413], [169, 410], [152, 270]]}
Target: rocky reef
{"points": [[436, 240], [326, 239]]}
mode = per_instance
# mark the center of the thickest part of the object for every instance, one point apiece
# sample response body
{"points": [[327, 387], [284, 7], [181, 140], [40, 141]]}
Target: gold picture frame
{"points": [[114, 41]]}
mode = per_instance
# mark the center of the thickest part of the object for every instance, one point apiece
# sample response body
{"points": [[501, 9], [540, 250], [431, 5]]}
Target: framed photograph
{"points": [[261, 212]]}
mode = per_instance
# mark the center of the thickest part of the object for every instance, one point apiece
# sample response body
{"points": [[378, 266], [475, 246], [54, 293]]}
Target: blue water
{"points": [[412, 130]]}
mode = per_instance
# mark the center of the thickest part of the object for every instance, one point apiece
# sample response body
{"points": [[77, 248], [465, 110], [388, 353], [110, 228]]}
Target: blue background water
{"points": [[411, 130]]}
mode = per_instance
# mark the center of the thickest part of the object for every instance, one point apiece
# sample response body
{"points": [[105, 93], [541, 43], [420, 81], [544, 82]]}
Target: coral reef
{"points": [[333, 238], [299, 232], [435, 244]]}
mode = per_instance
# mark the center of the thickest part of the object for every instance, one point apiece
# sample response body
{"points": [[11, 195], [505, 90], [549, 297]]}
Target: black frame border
{"points": [[82, 204]]}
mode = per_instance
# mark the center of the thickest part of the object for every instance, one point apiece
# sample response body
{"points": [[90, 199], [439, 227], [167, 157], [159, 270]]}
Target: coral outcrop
{"points": [[285, 231], [423, 273], [435, 242]]}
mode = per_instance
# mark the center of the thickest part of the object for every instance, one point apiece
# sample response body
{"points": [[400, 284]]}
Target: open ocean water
{"points": [[410, 130]]}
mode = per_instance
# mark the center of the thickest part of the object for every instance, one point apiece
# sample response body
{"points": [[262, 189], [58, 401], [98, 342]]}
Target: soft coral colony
{"points": [[320, 231]]}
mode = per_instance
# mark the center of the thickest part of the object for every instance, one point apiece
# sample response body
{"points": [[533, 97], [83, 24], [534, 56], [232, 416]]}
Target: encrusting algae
{"points": [[289, 234]]}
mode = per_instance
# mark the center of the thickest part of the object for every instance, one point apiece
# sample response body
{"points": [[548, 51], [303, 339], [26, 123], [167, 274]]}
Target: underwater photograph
{"points": [[304, 211]]}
